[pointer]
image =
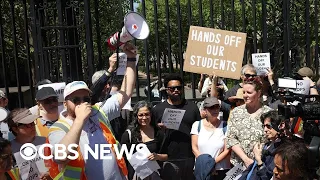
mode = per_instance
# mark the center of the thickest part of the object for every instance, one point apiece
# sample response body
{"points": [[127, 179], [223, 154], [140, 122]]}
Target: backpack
{"points": [[224, 126]]}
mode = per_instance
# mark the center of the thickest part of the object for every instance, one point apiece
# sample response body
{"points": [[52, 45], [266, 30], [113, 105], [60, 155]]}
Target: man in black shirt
{"points": [[181, 159]]}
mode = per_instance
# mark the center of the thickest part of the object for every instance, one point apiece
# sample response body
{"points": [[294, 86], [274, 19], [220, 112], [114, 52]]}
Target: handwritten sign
{"points": [[140, 163], [172, 118], [261, 61], [122, 64], [235, 172], [32, 169], [303, 87], [215, 50], [58, 87]]}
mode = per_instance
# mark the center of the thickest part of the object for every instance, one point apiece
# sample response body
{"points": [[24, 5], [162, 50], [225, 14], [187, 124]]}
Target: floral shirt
{"points": [[245, 129]]}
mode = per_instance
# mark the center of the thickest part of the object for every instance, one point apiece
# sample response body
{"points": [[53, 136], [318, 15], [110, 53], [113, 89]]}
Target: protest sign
{"points": [[287, 83], [235, 172], [30, 169], [122, 64], [58, 87], [172, 118], [215, 50], [261, 61], [303, 87]]}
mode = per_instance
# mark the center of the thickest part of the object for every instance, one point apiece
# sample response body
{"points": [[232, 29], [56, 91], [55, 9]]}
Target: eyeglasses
{"points": [[173, 88], [145, 114], [250, 75], [78, 100], [50, 100], [269, 126], [30, 125]]}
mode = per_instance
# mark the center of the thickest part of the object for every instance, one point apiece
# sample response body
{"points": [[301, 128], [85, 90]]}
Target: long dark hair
{"points": [[134, 127]]}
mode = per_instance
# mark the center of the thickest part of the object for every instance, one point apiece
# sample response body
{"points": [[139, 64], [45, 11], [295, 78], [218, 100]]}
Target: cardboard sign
{"points": [[303, 87], [122, 64], [261, 61], [58, 87], [215, 50], [172, 118]]}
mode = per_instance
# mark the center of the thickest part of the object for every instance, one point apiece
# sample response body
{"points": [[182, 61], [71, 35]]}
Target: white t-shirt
{"points": [[211, 142]]}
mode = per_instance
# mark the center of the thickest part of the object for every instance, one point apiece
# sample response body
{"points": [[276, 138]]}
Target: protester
{"points": [[208, 137], [47, 102], [237, 100], [85, 124], [263, 166], [5, 112], [305, 73], [291, 162], [269, 96], [22, 124], [7, 172], [144, 130], [244, 123], [180, 157], [3, 100], [247, 71], [207, 86]]}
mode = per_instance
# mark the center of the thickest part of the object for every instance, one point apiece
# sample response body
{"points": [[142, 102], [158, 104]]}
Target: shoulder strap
{"points": [[60, 125], [224, 127], [129, 133], [199, 126]]}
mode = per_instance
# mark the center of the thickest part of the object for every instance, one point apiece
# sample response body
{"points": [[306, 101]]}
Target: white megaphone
{"points": [[135, 27], [3, 114]]}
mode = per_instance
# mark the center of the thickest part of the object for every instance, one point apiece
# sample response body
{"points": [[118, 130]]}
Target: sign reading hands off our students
{"points": [[215, 50]]}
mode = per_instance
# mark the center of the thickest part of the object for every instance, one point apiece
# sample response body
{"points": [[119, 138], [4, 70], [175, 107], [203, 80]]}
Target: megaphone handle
{"points": [[118, 47]]}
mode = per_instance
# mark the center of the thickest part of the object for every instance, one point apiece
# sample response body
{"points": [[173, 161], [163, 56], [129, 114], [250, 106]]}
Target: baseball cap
{"points": [[210, 101], [74, 86], [305, 72], [25, 117], [2, 94], [45, 93]]}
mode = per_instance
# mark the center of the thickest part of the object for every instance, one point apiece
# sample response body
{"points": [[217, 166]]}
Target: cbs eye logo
{"points": [[28, 151]]}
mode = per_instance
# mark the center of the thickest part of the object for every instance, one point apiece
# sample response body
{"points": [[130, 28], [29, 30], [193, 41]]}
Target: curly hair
{"points": [[255, 81], [171, 77], [3, 143], [134, 127]]}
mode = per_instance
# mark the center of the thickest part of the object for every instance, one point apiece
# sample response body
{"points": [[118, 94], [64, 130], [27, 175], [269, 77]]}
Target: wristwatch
{"points": [[314, 86]]}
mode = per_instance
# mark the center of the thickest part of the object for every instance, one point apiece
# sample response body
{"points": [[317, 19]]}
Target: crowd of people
{"points": [[233, 127]]}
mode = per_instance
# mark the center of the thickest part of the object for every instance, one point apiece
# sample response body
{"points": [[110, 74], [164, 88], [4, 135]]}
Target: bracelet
{"points": [[108, 73], [314, 86], [131, 59]]}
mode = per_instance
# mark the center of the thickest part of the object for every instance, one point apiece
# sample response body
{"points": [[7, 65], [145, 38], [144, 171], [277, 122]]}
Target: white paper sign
{"points": [[58, 87], [30, 170], [5, 131], [303, 87], [235, 172], [128, 105], [122, 66], [172, 118], [261, 61], [287, 83], [140, 163]]}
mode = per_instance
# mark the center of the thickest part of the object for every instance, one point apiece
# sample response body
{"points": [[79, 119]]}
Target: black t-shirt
{"points": [[179, 141], [157, 145]]}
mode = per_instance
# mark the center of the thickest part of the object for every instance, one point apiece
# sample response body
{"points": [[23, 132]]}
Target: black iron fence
{"points": [[64, 40]]}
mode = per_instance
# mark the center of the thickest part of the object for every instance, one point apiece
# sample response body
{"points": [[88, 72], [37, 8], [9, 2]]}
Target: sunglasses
{"points": [[269, 126], [30, 125], [78, 100], [145, 114], [173, 88], [5, 156], [50, 100], [250, 75]]}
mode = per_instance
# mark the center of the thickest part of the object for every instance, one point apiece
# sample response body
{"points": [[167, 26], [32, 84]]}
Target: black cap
{"points": [[45, 93]]}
